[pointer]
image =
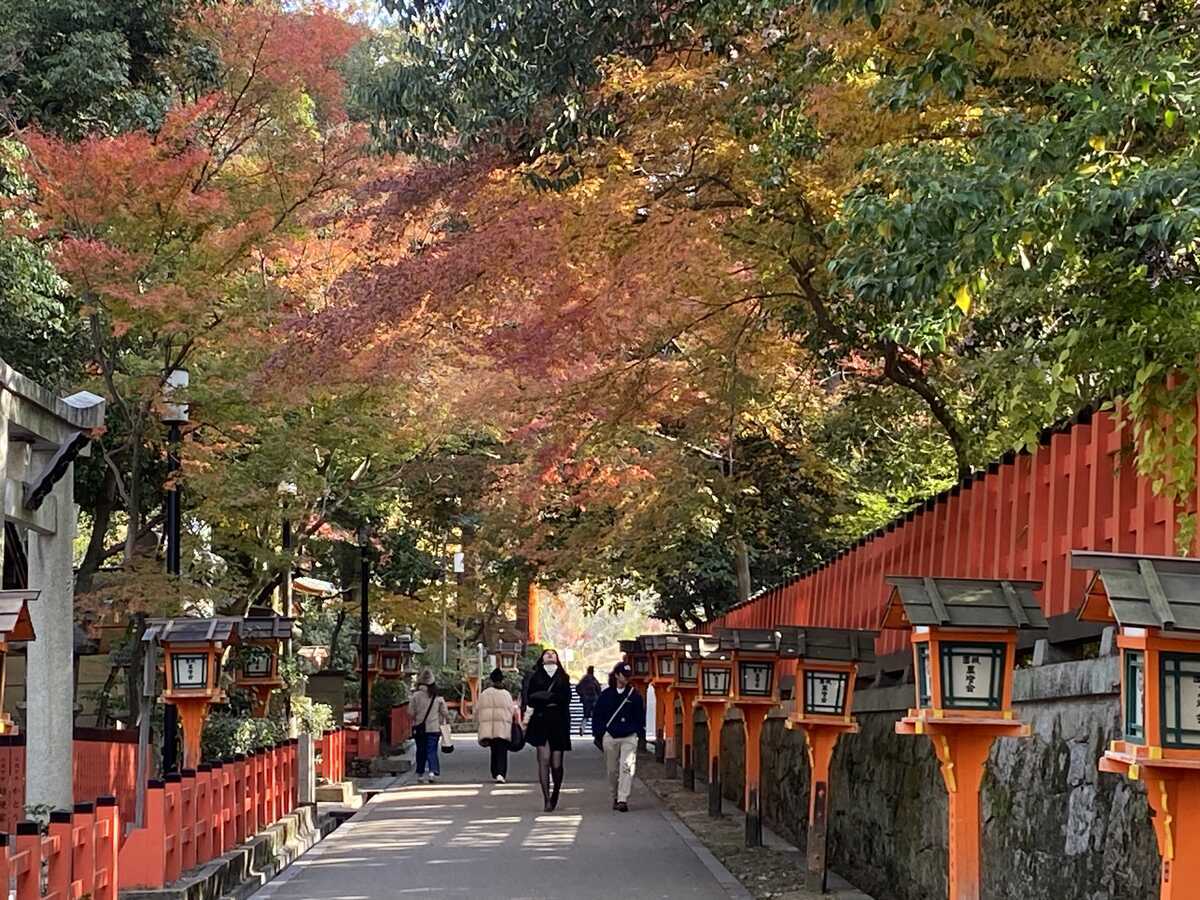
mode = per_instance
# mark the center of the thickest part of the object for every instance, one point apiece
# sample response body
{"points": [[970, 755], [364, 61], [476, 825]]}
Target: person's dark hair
{"points": [[497, 677], [431, 689], [591, 670], [541, 664]]}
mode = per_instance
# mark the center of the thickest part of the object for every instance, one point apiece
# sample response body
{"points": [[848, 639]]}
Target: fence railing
{"points": [[197, 815], [362, 743], [77, 857], [331, 766]]}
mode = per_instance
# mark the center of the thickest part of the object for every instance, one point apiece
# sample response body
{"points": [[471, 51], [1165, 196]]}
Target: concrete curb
{"points": [[733, 888]]}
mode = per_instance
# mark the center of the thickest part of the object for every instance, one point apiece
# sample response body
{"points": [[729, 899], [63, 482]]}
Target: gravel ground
{"points": [[766, 872]]}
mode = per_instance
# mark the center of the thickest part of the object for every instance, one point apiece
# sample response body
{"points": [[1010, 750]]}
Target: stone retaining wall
{"points": [[1054, 827]]}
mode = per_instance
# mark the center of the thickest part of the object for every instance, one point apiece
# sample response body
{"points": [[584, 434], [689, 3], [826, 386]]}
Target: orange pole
{"points": [[670, 749], [963, 754], [687, 703], [108, 830], [753, 718], [1175, 799], [821, 742], [716, 723], [660, 748], [534, 634], [58, 859], [191, 717]]}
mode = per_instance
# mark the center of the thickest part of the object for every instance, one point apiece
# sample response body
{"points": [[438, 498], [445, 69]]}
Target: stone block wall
{"points": [[1054, 827]]}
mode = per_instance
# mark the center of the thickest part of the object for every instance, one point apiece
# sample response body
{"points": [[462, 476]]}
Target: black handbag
{"points": [[517, 741]]}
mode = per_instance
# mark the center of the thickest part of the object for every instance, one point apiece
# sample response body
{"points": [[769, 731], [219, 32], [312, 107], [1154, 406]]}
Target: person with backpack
{"points": [[495, 715], [617, 721], [428, 713]]}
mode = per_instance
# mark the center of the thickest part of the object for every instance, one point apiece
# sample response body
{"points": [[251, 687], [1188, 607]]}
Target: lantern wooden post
{"points": [[687, 686], [1155, 601], [193, 650], [666, 652], [639, 662], [964, 635], [755, 690], [827, 661], [716, 690]]}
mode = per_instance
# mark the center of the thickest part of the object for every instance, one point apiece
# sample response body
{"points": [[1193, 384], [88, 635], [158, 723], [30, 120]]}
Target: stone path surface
{"points": [[468, 837]]}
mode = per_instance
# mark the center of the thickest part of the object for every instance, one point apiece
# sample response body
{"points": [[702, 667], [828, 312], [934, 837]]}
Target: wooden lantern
{"points": [[393, 654], [665, 651], [508, 655], [15, 625], [827, 661], [714, 696], [262, 635], [1155, 601], [964, 636], [193, 649], [755, 657]]}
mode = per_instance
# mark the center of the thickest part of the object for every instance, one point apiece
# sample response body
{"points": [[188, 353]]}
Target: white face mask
{"points": [[551, 669]]}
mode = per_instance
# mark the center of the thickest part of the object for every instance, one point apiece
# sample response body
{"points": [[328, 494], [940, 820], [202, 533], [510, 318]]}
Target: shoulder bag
{"points": [[418, 732], [600, 740]]}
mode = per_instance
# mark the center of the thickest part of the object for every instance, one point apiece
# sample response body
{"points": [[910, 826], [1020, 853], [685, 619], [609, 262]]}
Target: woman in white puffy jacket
{"points": [[495, 713]]}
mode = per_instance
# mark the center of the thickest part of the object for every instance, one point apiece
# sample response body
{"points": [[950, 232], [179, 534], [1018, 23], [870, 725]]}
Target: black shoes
{"points": [[622, 807], [615, 804]]}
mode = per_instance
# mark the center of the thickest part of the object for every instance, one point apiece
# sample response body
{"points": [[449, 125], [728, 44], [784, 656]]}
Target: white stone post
{"points": [[306, 774], [50, 659]]}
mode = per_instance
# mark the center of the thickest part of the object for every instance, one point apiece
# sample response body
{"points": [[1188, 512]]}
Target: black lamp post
{"points": [[174, 416], [364, 620]]}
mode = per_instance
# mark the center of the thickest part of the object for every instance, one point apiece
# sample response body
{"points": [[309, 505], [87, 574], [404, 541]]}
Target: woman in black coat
{"points": [[548, 695]]}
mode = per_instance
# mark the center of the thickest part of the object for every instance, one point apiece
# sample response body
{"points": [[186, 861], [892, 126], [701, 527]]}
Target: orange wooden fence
{"points": [[105, 765], [1018, 519], [400, 726], [195, 816], [331, 762], [362, 743], [77, 858]]}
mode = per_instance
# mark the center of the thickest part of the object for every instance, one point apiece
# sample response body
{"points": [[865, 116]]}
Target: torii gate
{"points": [[40, 437]]}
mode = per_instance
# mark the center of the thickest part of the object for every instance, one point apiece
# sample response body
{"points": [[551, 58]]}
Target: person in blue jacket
{"points": [[617, 721]]}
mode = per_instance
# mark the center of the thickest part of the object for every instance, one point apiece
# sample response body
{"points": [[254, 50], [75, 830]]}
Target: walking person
{"points": [[429, 713], [548, 695], [620, 718], [495, 713], [588, 690]]}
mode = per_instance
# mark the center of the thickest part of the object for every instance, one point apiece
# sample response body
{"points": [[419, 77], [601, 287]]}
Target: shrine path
{"points": [[468, 837]]}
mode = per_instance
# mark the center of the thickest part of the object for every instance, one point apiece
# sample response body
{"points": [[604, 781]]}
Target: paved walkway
{"points": [[468, 837]]}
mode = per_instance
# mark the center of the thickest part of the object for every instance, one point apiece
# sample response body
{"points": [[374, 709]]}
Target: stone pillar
{"points": [[306, 770], [50, 659]]}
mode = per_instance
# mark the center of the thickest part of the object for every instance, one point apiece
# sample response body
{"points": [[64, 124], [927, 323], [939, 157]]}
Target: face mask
{"points": [[551, 669]]}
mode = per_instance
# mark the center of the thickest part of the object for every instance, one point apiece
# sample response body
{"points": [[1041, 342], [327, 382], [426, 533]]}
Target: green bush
{"points": [[386, 693], [226, 734], [312, 717]]}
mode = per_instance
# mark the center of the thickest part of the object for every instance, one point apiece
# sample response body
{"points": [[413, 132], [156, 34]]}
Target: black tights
{"points": [[550, 764]]}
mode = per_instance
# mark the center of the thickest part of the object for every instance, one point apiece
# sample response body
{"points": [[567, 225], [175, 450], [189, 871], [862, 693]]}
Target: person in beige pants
{"points": [[617, 722]]}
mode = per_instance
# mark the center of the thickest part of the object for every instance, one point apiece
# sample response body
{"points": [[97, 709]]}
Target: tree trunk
{"points": [[134, 525], [337, 633], [101, 519], [742, 559], [133, 675]]}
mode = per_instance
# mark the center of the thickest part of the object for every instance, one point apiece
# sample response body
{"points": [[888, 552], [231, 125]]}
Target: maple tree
{"points": [[163, 235]]}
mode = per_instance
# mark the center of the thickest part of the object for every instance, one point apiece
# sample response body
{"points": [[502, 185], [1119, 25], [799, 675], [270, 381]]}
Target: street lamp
{"points": [[174, 416], [716, 690], [364, 625]]}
